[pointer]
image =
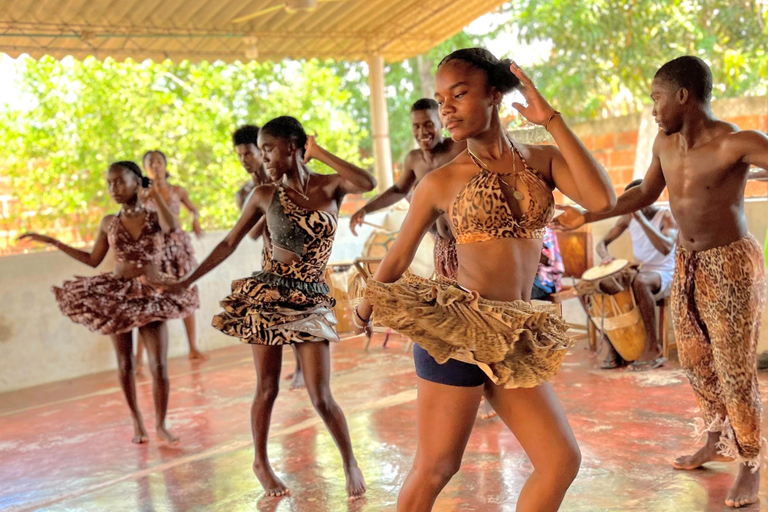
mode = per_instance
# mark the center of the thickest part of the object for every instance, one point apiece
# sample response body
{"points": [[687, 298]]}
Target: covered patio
{"points": [[374, 31]]}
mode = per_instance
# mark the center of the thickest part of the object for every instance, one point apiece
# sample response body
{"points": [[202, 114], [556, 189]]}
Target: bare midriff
{"points": [[501, 269]]}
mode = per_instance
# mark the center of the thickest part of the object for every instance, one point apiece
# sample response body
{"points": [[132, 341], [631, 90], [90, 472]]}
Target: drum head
{"points": [[595, 273]]}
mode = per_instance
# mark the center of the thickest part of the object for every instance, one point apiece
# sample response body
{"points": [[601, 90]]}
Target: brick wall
{"points": [[614, 142]]}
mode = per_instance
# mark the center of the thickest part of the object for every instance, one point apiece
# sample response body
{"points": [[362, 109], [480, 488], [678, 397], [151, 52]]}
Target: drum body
{"points": [[612, 307]]}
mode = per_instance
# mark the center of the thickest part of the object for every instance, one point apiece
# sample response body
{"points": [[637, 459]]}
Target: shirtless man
{"points": [[718, 288], [245, 140], [434, 151]]}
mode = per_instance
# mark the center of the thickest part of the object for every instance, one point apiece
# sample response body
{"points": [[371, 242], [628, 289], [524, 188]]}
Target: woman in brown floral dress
{"points": [[114, 303], [178, 254], [288, 301]]}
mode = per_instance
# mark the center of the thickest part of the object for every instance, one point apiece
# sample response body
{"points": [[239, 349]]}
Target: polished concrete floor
{"points": [[66, 446]]}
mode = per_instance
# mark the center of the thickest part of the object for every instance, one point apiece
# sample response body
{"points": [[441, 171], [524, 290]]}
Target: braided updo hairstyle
{"points": [[496, 70], [135, 169]]}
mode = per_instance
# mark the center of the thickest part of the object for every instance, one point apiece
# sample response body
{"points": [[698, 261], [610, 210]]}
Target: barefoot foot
{"points": [[272, 485], [744, 489], [298, 380], [196, 355], [355, 483], [140, 435], [164, 435], [486, 412], [708, 453]]}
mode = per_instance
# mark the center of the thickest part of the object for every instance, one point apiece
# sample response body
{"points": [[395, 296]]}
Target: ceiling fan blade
{"points": [[256, 14]]}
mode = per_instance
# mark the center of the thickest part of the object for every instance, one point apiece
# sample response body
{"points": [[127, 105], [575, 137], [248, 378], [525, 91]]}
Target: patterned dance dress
{"points": [[286, 302], [178, 257], [109, 304]]}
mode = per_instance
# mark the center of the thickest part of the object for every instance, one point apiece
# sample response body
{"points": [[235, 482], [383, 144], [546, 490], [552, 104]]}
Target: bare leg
{"points": [[190, 326], [156, 339], [139, 366], [123, 344], [316, 364], [643, 286], [445, 416], [297, 381], [536, 419], [267, 360]]}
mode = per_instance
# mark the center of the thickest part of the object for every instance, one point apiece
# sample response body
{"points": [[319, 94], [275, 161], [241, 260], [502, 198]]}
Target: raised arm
{"points": [[190, 206], [253, 210], [354, 179], [574, 170], [92, 258], [168, 221], [615, 232], [421, 215], [392, 195]]}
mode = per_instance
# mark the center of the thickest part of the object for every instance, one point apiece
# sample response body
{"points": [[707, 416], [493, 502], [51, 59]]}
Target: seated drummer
{"points": [[654, 234]]}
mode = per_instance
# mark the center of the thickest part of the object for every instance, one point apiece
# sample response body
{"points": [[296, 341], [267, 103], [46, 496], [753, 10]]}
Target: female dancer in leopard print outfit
{"points": [[479, 334], [288, 301]]}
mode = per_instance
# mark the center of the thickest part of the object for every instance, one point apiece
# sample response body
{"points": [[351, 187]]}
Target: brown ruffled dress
{"points": [[109, 304], [178, 257], [286, 303]]}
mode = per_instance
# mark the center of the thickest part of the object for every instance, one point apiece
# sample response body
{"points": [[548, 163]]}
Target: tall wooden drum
{"points": [[612, 307]]}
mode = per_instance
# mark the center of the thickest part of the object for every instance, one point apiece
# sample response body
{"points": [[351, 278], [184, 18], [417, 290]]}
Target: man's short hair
{"points": [[425, 104], [246, 134], [633, 184], [691, 73]]}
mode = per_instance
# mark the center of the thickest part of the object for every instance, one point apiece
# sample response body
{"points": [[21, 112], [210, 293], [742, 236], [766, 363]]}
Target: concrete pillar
{"points": [[382, 153]]}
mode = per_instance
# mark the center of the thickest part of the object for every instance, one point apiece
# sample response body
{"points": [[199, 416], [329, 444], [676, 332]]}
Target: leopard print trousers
{"points": [[717, 304]]}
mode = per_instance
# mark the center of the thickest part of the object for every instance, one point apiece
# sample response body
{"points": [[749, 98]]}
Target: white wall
{"points": [[38, 344]]}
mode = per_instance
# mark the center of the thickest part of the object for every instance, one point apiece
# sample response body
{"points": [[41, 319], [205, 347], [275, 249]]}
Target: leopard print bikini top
{"points": [[141, 251], [481, 211]]}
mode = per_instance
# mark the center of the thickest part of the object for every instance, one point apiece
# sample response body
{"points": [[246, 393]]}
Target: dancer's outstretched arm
{"points": [[92, 258], [630, 201], [252, 213], [421, 216]]}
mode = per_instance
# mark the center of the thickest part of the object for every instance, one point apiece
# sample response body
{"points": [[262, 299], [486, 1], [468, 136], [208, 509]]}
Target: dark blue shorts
{"points": [[451, 373]]}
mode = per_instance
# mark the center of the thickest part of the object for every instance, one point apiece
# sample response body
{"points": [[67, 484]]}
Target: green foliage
{"points": [[404, 87], [605, 52], [85, 114]]}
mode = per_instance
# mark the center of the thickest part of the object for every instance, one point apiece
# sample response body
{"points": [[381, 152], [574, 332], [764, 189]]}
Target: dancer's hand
{"points": [[310, 149], [36, 237], [571, 218], [356, 220], [538, 111]]}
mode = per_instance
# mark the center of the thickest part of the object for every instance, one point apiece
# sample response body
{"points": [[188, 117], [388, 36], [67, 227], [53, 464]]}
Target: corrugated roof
{"points": [[206, 29]]}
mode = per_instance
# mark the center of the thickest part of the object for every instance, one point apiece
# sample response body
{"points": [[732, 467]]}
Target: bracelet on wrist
{"points": [[555, 113], [358, 320]]}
